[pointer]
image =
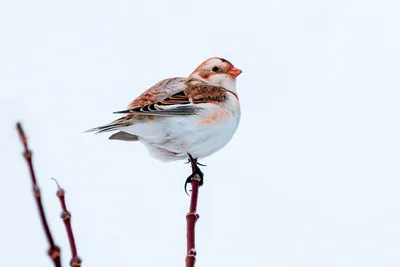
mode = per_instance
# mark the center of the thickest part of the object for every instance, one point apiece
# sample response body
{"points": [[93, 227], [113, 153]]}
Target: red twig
{"points": [[54, 250], [191, 219], [66, 217]]}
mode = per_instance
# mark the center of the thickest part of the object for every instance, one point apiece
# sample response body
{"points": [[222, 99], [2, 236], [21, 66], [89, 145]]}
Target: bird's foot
{"points": [[198, 163], [195, 171]]}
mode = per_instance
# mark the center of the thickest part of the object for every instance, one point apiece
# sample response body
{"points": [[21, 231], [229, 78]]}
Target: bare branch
{"points": [[66, 217], [191, 219], [54, 251]]}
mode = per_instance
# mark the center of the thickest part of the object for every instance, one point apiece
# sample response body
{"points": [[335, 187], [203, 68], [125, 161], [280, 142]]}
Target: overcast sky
{"points": [[311, 177]]}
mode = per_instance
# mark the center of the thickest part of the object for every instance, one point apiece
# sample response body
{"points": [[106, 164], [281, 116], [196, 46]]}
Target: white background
{"points": [[311, 177]]}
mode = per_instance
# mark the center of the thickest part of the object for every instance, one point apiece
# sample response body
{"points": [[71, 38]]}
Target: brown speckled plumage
{"points": [[158, 92], [180, 96], [200, 92]]}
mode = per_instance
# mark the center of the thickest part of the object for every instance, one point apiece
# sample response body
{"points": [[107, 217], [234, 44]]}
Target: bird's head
{"points": [[218, 72]]}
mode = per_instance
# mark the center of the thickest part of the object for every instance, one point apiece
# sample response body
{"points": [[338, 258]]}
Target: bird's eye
{"points": [[215, 69]]}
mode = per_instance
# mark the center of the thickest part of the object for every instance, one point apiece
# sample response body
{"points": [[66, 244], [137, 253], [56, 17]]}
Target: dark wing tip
{"points": [[123, 111]]}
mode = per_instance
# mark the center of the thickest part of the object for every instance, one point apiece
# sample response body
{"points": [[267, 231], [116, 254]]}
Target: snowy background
{"points": [[311, 178]]}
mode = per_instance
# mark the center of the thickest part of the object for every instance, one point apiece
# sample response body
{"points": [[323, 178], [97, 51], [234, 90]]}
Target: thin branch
{"points": [[66, 217], [191, 219], [54, 251]]}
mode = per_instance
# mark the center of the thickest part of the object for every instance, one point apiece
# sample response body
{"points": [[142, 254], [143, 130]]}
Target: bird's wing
{"points": [[159, 91], [182, 103], [169, 97]]}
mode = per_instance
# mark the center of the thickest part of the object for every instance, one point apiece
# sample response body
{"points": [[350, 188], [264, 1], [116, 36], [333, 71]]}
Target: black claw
{"points": [[195, 170], [188, 180]]}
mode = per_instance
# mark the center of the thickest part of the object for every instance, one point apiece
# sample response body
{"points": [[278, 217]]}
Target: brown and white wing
{"points": [[183, 103], [159, 91], [170, 97]]}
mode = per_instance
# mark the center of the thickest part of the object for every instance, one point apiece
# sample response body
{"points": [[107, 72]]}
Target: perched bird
{"points": [[179, 118]]}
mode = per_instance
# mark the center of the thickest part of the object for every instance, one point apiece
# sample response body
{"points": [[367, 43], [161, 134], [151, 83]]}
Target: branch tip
{"points": [[60, 191], [66, 217], [54, 179], [21, 133]]}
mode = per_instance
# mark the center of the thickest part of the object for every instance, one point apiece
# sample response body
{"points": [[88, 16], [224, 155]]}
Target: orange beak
{"points": [[234, 72]]}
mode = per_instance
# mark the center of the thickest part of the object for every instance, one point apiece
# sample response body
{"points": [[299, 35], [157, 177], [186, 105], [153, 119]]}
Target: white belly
{"points": [[171, 138]]}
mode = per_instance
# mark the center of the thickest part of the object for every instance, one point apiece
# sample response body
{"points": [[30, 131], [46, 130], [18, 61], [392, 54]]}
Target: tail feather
{"points": [[124, 136], [112, 126]]}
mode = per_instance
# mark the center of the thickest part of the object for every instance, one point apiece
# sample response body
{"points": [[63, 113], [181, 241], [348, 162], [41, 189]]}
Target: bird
{"points": [[183, 117]]}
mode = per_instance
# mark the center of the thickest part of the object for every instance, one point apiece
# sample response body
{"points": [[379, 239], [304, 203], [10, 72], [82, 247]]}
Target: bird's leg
{"points": [[195, 170], [198, 163]]}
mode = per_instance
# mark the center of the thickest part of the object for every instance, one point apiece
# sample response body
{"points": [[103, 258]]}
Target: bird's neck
{"points": [[217, 80]]}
